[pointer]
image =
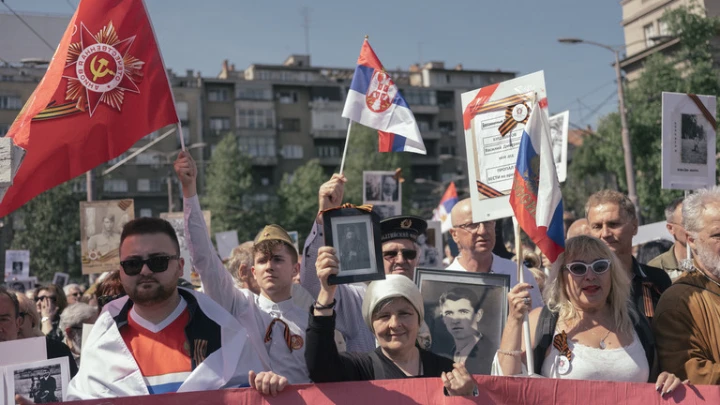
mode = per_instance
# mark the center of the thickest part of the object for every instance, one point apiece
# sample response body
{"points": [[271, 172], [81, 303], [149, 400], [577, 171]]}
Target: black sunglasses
{"points": [[599, 266], [408, 254], [51, 298], [156, 264]]}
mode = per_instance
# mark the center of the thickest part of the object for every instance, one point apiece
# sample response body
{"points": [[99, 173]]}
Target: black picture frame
{"points": [[360, 252], [448, 325]]}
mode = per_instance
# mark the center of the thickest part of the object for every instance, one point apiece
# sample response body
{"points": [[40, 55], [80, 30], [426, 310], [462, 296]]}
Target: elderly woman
{"points": [[393, 310], [72, 293], [589, 329]]}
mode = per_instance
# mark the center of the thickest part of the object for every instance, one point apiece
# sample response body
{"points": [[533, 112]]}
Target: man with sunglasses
{"points": [[160, 338], [475, 241], [400, 256], [670, 260], [612, 219]]}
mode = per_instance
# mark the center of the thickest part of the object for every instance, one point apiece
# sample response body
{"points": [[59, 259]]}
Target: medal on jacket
{"points": [[564, 353], [296, 342]]}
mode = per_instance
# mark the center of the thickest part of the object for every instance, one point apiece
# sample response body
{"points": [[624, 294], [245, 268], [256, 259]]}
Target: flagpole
{"points": [[688, 251], [521, 279], [347, 141]]}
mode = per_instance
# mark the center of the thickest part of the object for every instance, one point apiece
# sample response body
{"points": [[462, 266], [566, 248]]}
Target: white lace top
{"points": [[626, 364]]}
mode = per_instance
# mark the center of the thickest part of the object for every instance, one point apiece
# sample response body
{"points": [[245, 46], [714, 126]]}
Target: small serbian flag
{"points": [[442, 212], [374, 101], [535, 197]]}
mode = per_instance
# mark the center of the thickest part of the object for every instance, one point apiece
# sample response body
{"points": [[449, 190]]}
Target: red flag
{"points": [[106, 87]]}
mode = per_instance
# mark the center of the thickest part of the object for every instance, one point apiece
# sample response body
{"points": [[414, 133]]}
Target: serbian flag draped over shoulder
{"points": [[535, 197], [105, 88], [374, 101]]}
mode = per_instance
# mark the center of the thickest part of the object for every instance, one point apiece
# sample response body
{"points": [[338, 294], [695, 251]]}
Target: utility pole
{"points": [[305, 11]]}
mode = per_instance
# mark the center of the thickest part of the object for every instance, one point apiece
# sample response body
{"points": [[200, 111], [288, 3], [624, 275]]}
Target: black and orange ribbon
{"points": [[510, 122], [398, 175], [648, 288], [488, 191], [479, 106], [364, 207], [705, 112], [286, 334], [561, 344]]}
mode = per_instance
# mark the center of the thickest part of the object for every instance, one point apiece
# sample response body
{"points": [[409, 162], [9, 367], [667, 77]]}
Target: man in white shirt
{"points": [[277, 320], [475, 241]]}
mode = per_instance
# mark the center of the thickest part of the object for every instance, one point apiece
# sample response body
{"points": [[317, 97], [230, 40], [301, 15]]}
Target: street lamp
{"points": [[627, 148]]}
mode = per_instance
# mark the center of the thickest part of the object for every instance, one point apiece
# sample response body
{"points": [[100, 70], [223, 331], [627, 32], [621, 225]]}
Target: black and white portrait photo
{"points": [[464, 315], [42, 382], [381, 187], [61, 279], [353, 248], [386, 210], [17, 268], [17, 264], [693, 148]]}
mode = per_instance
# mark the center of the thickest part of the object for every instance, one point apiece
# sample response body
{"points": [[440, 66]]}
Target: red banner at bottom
{"points": [[493, 390]]}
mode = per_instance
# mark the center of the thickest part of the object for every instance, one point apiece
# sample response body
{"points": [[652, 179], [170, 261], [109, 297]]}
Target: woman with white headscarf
{"points": [[393, 310]]}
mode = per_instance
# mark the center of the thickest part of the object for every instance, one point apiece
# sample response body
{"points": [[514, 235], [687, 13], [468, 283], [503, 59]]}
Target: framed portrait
{"points": [[61, 279], [465, 314], [21, 285], [101, 223], [17, 264], [430, 246], [381, 187], [688, 141], [494, 118], [355, 235], [559, 125], [177, 220], [42, 381]]}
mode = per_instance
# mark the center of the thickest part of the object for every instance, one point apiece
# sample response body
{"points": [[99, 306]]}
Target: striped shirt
{"points": [[161, 350]]}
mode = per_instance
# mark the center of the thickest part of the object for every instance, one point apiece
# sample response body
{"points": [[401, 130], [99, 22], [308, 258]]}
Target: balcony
{"points": [[264, 161], [424, 109], [424, 160], [328, 133]]}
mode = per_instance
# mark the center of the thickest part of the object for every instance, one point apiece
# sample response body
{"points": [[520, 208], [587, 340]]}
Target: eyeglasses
{"points": [[473, 227], [104, 299], [408, 254], [77, 295], [156, 264], [599, 266], [44, 297]]}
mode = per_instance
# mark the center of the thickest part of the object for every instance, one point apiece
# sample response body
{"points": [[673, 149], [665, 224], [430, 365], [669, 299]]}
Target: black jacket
{"points": [[648, 284]]}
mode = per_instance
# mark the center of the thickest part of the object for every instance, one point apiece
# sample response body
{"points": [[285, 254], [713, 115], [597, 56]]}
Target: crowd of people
{"points": [[269, 317]]}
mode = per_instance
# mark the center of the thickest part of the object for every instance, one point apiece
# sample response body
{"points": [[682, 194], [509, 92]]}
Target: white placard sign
{"points": [[688, 142], [23, 351], [177, 220], [383, 190], [494, 118], [559, 124], [17, 264], [650, 232], [226, 242]]}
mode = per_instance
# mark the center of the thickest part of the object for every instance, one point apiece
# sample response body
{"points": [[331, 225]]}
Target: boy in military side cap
{"points": [[278, 321], [400, 254]]}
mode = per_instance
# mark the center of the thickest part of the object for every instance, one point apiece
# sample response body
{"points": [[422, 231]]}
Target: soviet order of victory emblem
{"points": [[381, 92], [100, 68]]}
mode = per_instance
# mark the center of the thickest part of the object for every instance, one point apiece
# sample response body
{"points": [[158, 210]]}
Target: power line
{"points": [[591, 92], [598, 107], [70, 4], [28, 25]]}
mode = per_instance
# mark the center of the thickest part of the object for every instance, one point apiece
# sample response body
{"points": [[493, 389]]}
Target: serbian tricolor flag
{"points": [[447, 202], [105, 88], [535, 197], [374, 101]]}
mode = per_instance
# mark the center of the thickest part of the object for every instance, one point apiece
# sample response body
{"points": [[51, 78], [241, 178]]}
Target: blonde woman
{"points": [[589, 329]]}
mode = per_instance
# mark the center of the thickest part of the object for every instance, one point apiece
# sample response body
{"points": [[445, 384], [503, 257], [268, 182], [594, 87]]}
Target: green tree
{"points": [[50, 230], [690, 70], [229, 189], [363, 155], [298, 198]]}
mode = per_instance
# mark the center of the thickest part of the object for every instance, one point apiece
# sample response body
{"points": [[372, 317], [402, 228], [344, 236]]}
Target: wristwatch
{"points": [[44, 319]]}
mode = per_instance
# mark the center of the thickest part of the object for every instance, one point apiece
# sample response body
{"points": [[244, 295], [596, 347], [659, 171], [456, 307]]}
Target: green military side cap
{"points": [[273, 232], [402, 227]]}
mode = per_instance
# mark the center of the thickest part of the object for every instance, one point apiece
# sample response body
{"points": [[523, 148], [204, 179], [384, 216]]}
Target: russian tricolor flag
{"points": [[535, 196], [447, 202], [374, 101]]}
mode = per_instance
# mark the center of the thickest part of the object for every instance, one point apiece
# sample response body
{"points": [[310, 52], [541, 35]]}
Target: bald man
{"points": [[579, 227], [475, 241]]}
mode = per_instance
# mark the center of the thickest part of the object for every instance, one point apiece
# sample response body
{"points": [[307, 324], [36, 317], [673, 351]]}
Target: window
{"points": [[258, 119], [447, 150], [424, 122], [10, 103], [156, 185], [446, 99], [664, 28], [327, 151], [143, 185], [264, 181], [145, 212], [218, 95], [253, 94], [182, 110], [79, 186], [218, 124], [446, 126], [258, 146], [649, 31], [289, 125], [292, 151], [4, 129], [148, 158], [419, 97], [287, 97], [115, 186]]}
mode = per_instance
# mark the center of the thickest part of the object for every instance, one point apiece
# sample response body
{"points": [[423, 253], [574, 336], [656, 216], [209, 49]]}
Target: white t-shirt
{"points": [[509, 267]]}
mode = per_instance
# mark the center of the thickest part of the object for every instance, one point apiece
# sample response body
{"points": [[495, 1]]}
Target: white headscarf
{"points": [[394, 285]]}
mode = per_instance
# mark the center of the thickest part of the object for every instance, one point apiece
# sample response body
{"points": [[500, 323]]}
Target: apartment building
{"points": [[646, 33]]}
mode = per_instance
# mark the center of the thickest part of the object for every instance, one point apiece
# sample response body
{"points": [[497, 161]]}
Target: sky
{"points": [[518, 36]]}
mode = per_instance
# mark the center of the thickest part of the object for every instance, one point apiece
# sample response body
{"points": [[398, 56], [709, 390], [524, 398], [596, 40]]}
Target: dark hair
{"points": [[59, 293], [13, 299], [266, 247], [459, 293], [145, 226], [652, 249]]}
